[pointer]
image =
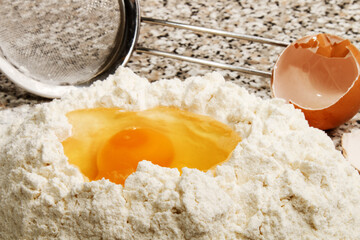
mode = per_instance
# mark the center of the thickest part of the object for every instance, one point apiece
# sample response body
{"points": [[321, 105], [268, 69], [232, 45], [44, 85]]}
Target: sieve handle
{"points": [[214, 31], [202, 61], [211, 31]]}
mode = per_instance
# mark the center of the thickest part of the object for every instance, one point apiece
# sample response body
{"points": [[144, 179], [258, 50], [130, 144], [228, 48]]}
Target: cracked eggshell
{"points": [[319, 74]]}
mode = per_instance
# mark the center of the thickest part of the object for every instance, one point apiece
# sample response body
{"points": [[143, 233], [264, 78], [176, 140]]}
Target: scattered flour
{"points": [[285, 180]]}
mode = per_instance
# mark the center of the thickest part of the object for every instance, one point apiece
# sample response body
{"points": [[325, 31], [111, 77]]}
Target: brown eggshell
{"points": [[326, 89]]}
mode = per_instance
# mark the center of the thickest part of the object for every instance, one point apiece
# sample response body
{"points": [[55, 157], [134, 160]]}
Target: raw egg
{"points": [[109, 142], [320, 75]]}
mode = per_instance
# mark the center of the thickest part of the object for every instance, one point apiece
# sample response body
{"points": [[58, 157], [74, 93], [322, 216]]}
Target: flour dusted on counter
{"points": [[284, 180]]}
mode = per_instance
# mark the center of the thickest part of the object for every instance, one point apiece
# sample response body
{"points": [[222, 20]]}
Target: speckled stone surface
{"points": [[282, 20]]}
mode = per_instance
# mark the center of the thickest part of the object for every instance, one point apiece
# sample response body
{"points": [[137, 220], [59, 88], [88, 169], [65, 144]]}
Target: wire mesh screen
{"points": [[59, 42]]}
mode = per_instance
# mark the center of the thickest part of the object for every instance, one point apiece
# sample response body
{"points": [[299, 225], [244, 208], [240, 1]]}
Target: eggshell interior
{"points": [[311, 80], [320, 75]]}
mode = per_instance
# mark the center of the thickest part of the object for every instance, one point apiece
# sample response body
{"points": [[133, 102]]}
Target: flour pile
{"points": [[284, 180]]}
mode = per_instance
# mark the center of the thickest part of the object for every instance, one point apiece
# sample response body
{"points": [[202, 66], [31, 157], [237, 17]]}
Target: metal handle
{"points": [[211, 31], [214, 31]]}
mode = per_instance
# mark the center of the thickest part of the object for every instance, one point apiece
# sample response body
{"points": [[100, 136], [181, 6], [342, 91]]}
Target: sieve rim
{"points": [[131, 29]]}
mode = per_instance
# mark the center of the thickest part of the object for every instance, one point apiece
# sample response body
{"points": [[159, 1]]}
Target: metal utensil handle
{"points": [[214, 31], [203, 62], [211, 31]]}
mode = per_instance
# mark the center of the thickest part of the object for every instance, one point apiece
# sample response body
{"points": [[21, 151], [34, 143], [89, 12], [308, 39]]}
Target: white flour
{"points": [[285, 180]]}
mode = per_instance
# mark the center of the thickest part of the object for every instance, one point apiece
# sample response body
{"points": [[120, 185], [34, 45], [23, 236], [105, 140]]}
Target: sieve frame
{"points": [[126, 40]]}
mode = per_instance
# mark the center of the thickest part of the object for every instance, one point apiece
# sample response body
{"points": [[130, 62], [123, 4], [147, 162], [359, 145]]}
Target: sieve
{"points": [[49, 47]]}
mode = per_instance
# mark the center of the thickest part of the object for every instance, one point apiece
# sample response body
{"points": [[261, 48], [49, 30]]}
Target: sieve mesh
{"points": [[59, 42]]}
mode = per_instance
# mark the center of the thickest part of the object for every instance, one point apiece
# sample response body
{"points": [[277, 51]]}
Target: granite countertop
{"points": [[281, 20]]}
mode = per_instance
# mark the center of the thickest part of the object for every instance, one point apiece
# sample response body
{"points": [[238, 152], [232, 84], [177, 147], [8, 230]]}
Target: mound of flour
{"points": [[284, 180]]}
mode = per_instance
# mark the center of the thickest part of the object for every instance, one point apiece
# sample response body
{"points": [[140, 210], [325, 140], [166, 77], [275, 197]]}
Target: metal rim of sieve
{"points": [[126, 38]]}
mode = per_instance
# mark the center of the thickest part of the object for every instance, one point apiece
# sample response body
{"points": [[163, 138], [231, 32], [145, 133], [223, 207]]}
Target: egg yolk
{"points": [[109, 142], [121, 153]]}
